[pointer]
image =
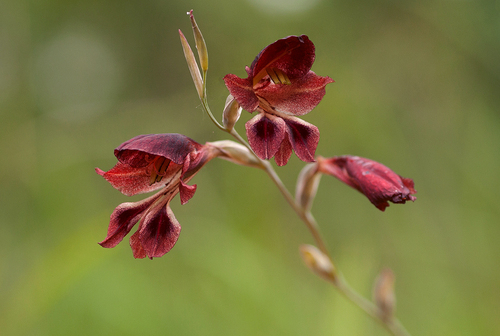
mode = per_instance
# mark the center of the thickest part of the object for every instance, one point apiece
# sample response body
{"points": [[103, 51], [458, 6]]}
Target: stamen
{"points": [[274, 77], [283, 77], [278, 76], [159, 168], [152, 178]]}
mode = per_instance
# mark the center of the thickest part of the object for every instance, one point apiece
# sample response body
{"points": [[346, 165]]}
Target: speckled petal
{"points": [[265, 133], [304, 138]]}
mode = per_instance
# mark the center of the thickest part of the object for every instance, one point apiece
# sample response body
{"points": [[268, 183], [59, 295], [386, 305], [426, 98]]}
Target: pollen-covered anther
{"points": [[158, 169], [278, 76]]}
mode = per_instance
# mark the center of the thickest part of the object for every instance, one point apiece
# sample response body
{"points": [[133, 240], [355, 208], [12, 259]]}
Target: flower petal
{"points": [[294, 55], [303, 136], [123, 219], [129, 181], [186, 191], [265, 133], [137, 151], [298, 98], [242, 90], [284, 153], [132, 181], [376, 181], [137, 248], [158, 232]]}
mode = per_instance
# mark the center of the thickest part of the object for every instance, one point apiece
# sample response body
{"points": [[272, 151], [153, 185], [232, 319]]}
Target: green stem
{"points": [[392, 325]]}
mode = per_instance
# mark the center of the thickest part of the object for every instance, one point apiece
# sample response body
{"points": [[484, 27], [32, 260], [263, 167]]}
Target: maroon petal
{"points": [[336, 167], [298, 98], [408, 183], [304, 138], [130, 181], [159, 231], [284, 153], [137, 151], [123, 219], [376, 181], [137, 248], [242, 90], [186, 191], [265, 133], [294, 55]]}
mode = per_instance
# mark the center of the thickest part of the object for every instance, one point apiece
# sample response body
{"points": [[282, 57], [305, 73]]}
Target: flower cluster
{"points": [[280, 86]]}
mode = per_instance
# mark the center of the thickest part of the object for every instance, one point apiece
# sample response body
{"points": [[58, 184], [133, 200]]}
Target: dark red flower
{"points": [[164, 162], [373, 179], [280, 85]]}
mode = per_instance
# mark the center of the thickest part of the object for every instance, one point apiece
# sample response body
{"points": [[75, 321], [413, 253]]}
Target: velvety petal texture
{"points": [[175, 147], [304, 138], [158, 232], [298, 98], [377, 182], [124, 218], [150, 162], [293, 55], [265, 133], [242, 90], [280, 85], [132, 181]]}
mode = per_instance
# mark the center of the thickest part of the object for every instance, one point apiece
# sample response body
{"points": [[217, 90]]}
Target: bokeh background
{"points": [[417, 88]]}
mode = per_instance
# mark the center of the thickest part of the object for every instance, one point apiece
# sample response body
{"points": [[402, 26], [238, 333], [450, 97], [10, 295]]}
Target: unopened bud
{"points": [[192, 65], [307, 186], [237, 153], [231, 114], [318, 262], [200, 43], [383, 294]]}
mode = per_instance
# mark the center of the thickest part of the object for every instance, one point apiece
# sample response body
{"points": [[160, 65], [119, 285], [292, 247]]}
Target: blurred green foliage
{"points": [[417, 88]]}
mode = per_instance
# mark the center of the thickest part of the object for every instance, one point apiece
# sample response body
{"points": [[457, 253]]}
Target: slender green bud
{"points": [[383, 294], [307, 186], [237, 153], [192, 65], [200, 43], [318, 262], [231, 114]]}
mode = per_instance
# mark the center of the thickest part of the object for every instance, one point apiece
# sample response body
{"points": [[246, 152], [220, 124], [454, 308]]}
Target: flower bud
{"points": [[377, 182], [200, 43], [307, 186], [318, 262], [192, 65], [237, 153], [231, 114], [383, 294]]}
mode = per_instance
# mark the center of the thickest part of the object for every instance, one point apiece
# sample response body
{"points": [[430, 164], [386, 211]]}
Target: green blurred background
{"points": [[417, 88]]}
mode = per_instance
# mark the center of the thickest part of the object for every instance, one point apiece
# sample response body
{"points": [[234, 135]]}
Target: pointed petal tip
{"points": [[99, 171], [186, 192]]}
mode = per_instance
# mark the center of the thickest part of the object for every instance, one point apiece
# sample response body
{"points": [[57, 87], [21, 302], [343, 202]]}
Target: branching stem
{"points": [[392, 325]]}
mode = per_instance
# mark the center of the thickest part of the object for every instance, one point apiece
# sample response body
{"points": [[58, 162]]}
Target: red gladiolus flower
{"points": [[280, 85], [373, 179], [164, 162]]}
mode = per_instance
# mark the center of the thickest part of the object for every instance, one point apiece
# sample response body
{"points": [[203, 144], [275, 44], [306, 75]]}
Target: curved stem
{"points": [[392, 324]]}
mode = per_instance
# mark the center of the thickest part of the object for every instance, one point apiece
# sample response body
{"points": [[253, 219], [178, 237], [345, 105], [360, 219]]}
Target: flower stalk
{"points": [[303, 211], [280, 87]]}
